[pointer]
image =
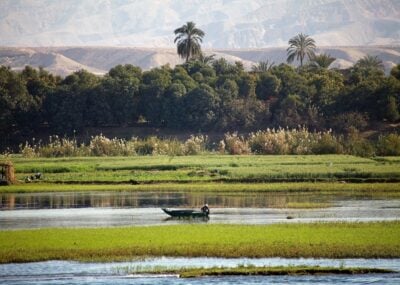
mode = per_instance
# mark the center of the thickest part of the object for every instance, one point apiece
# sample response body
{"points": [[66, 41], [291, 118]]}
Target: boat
{"points": [[186, 213]]}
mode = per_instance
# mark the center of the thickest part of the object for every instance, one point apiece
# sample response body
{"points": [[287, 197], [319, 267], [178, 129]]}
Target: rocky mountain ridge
{"points": [[65, 60]]}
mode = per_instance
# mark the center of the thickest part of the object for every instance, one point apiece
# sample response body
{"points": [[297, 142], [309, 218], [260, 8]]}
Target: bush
{"points": [[327, 143], [269, 142], [102, 146], [148, 146], [235, 144], [281, 141], [389, 145], [347, 121], [27, 150], [357, 145], [195, 145]]}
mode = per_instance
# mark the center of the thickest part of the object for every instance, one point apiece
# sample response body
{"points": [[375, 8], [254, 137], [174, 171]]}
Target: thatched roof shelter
{"points": [[7, 174]]}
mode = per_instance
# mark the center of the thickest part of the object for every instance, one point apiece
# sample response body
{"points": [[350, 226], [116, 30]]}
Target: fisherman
{"points": [[205, 209]]}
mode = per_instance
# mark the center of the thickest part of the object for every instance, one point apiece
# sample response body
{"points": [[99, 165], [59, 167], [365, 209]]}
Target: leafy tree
{"points": [[201, 106], [15, 102], [154, 83], [387, 99], [172, 105], [188, 39], [247, 85], [39, 83], [223, 67], [395, 72], [268, 85], [121, 89], [66, 106], [323, 60], [180, 75], [293, 82], [328, 84], [290, 112], [300, 46]]}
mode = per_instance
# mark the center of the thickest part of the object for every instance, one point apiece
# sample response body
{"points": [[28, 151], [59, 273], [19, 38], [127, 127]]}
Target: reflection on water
{"points": [[157, 199], [65, 272], [359, 210], [112, 209], [382, 279]]}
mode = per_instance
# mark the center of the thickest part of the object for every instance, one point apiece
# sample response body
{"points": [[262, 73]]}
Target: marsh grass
{"points": [[328, 240]]}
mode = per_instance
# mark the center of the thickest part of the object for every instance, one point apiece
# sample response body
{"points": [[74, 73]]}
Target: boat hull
{"points": [[185, 213]]}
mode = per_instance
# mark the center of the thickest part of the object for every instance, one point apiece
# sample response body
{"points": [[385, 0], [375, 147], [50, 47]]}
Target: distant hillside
{"points": [[65, 60], [227, 23]]}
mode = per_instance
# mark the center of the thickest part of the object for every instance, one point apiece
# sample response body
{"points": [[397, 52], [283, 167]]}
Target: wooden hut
{"points": [[7, 174]]}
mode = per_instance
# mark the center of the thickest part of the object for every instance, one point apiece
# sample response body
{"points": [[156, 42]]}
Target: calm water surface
{"points": [[62, 200], [111, 209]]}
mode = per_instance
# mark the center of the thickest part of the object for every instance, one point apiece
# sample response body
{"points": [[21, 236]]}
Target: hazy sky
{"points": [[227, 23]]}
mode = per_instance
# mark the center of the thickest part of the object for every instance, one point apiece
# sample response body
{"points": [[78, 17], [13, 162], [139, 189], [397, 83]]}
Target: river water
{"points": [[112, 209], [66, 272]]}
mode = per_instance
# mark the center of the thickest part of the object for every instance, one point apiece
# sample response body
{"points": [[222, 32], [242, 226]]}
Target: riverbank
{"points": [[330, 240], [375, 189]]}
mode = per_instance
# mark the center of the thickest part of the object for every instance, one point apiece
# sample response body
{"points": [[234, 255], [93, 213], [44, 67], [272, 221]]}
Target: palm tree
{"points": [[370, 62], [188, 40], [299, 47], [262, 66], [322, 60], [205, 59]]}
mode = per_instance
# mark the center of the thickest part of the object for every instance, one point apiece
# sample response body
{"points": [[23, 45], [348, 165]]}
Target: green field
{"points": [[330, 240], [202, 172]]}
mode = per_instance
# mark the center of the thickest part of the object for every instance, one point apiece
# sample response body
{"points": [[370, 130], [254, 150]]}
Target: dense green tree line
{"points": [[200, 95]]}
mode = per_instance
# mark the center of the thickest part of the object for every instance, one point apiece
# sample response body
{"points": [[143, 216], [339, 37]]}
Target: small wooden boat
{"points": [[185, 213]]}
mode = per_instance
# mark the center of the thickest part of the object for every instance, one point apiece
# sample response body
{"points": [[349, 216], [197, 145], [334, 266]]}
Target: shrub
{"points": [[357, 145], [347, 121], [102, 146], [26, 150], [147, 146], [269, 142], [389, 145], [327, 143], [235, 144], [195, 144]]}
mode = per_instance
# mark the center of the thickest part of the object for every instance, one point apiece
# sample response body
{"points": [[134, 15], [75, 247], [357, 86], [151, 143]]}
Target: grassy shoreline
{"points": [[324, 240], [391, 189]]}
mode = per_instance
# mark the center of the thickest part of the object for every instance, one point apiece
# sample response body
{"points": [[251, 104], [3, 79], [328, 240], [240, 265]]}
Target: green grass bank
{"points": [[329, 240], [389, 190]]}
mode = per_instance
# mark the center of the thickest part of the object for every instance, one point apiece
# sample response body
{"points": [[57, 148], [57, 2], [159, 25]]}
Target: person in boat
{"points": [[205, 209]]}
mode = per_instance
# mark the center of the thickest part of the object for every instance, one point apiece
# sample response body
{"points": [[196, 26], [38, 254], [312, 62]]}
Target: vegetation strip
{"points": [[328, 240], [375, 189], [267, 270], [205, 169]]}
